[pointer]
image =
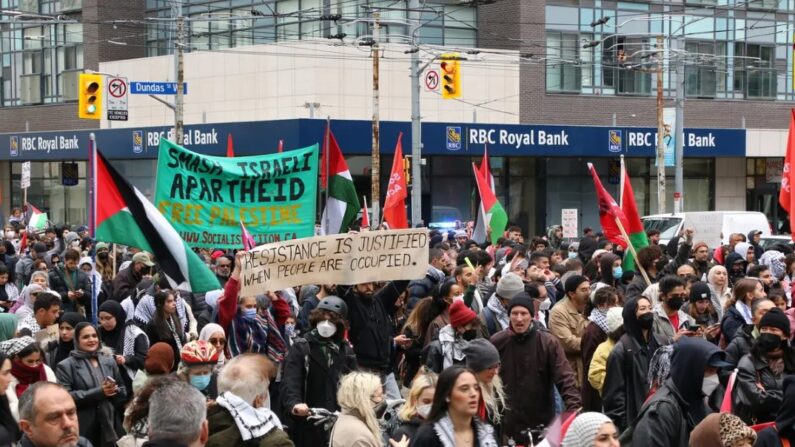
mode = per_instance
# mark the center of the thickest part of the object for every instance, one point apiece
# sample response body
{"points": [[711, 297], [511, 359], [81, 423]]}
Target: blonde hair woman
{"points": [[362, 401], [417, 406]]}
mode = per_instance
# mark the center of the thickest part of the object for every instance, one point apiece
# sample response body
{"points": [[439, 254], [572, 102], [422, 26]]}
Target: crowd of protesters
{"points": [[526, 341]]}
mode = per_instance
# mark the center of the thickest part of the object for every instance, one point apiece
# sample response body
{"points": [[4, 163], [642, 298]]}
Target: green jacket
{"points": [[224, 432]]}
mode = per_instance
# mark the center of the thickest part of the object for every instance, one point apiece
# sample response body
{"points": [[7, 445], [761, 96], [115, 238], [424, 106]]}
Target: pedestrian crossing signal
{"points": [[451, 76], [89, 100]]}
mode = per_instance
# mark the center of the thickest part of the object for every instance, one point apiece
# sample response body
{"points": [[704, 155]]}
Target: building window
{"points": [[563, 70], [755, 74], [705, 79]]}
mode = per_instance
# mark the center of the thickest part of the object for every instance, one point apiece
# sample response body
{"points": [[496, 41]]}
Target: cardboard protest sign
{"points": [[206, 198], [344, 259]]}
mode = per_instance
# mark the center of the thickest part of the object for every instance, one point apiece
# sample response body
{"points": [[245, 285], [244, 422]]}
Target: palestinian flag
{"points": [[342, 204], [38, 220], [125, 216], [494, 214], [609, 211], [635, 231], [479, 235]]}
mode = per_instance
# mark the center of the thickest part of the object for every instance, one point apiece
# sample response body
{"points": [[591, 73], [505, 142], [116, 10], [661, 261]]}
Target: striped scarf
{"points": [[259, 335]]}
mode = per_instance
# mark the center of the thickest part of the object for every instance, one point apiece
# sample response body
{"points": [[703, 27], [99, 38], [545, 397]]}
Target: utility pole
{"points": [[179, 66], [660, 130], [679, 190], [375, 174], [416, 125]]}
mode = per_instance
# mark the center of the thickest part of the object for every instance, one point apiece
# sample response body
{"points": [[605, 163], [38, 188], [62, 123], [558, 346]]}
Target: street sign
{"points": [[156, 88], [569, 219], [25, 181], [431, 80], [117, 95]]}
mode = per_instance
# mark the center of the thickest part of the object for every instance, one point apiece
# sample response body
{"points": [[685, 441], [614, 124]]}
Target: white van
{"points": [[712, 227]]}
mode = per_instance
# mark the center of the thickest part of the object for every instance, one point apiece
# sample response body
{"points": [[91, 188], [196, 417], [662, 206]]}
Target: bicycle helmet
{"points": [[334, 304], [198, 353]]}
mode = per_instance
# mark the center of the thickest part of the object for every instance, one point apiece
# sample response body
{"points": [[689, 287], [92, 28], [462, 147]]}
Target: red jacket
{"points": [[227, 306]]}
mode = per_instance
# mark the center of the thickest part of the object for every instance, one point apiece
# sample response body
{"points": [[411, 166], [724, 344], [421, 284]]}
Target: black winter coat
{"points": [[310, 379], [625, 386], [60, 284], [76, 376], [663, 423], [785, 420], [408, 429], [737, 349], [371, 329], [732, 322], [751, 404], [124, 283]]}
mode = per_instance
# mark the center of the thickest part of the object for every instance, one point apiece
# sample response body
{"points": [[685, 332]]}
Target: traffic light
{"points": [[89, 100], [451, 76]]}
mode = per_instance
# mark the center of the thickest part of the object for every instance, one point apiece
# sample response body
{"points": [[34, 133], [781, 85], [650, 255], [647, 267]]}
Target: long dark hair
{"points": [[160, 316], [438, 304], [444, 388], [7, 420]]}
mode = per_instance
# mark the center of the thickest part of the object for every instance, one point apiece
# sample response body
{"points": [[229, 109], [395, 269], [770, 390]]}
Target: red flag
{"points": [[280, 149], [608, 211], [23, 242], [230, 151], [365, 214], [395, 203], [786, 197], [248, 240], [336, 163], [726, 404]]}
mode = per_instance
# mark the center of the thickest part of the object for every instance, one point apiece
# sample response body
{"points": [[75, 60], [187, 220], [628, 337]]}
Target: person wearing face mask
{"points": [[417, 407], [567, 321], [495, 315], [737, 266], [196, 367], [448, 349], [27, 368], [625, 387], [669, 416], [362, 403], [532, 363], [241, 417], [595, 334], [758, 387], [439, 312], [104, 264], [610, 273], [670, 321], [313, 368]]}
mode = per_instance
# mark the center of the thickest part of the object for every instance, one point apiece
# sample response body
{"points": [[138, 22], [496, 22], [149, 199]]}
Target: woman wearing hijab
{"points": [[720, 430], [214, 334], [27, 368], [625, 387], [591, 430], [8, 326], [718, 281], [166, 325], [66, 333], [86, 264], [96, 385], [9, 429], [128, 342], [159, 362], [24, 305], [669, 416]]}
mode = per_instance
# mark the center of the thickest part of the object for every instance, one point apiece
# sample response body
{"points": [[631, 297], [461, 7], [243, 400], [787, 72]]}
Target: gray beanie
{"points": [[509, 286], [481, 355]]}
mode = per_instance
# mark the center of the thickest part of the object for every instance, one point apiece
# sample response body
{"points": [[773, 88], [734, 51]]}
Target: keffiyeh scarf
{"points": [[452, 347], [252, 423], [259, 334], [599, 318], [499, 312]]}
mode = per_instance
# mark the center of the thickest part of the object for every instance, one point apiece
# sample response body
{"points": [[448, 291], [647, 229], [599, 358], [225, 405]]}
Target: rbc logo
{"points": [[138, 141], [614, 143], [453, 138], [14, 146]]}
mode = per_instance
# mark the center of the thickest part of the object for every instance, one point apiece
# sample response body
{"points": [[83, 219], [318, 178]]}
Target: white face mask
{"points": [[326, 329], [10, 235], [458, 298], [546, 304], [709, 384], [424, 410]]}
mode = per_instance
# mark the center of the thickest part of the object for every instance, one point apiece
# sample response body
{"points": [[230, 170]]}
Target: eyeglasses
{"points": [[217, 341]]}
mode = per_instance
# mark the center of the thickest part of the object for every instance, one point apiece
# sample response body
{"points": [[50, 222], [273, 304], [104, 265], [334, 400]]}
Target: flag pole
{"points": [[327, 162], [632, 250], [621, 184]]}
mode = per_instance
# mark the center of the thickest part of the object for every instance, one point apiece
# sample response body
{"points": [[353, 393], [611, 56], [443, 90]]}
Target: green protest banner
{"points": [[205, 198]]}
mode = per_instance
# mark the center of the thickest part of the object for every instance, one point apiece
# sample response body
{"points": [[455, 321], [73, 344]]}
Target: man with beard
{"points": [[223, 267], [370, 314], [310, 302], [125, 281], [71, 283]]}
